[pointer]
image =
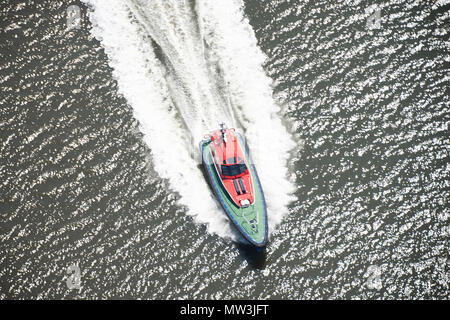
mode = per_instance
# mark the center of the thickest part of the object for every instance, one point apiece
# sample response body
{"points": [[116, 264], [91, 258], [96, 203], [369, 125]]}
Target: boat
{"points": [[235, 183]]}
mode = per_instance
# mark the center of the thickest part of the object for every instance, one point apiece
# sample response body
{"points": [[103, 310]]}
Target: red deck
{"points": [[229, 160]]}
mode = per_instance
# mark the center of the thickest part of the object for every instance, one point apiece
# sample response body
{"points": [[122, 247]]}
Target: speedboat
{"points": [[235, 183]]}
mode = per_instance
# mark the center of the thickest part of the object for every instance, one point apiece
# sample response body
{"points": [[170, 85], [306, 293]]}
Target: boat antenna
{"points": [[223, 130]]}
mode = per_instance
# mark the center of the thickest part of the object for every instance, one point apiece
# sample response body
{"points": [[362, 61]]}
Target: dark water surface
{"points": [[80, 188]]}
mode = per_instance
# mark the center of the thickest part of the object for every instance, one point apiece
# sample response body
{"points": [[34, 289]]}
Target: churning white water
{"points": [[184, 67]]}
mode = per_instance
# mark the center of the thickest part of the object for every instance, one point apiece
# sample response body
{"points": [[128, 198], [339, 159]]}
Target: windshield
{"points": [[233, 169]]}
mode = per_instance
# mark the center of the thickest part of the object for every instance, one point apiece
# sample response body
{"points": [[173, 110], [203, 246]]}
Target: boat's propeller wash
{"points": [[184, 67]]}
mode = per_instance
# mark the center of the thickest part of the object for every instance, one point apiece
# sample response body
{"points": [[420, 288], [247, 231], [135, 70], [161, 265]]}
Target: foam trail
{"points": [[178, 64]]}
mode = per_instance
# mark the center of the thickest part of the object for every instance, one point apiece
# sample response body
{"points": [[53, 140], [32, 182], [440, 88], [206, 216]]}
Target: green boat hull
{"points": [[251, 221]]}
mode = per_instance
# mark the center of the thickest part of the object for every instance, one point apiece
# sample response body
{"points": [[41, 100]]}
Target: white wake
{"points": [[184, 67]]}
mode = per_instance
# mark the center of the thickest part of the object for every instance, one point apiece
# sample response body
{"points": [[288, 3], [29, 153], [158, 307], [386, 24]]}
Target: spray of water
{"points": [[184, 67]]}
